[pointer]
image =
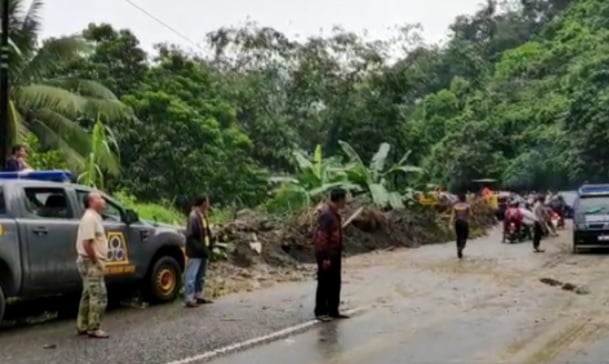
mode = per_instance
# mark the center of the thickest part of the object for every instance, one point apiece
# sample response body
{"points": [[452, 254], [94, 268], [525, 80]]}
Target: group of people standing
{"points": [[535, 212], [92, 249], [91, 246]]}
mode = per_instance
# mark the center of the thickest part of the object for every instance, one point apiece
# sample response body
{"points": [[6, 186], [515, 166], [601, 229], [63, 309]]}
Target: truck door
{"points": [[124, 246], [49, 226]]}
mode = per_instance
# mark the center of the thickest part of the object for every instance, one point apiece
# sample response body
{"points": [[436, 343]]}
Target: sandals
{"points": [[98, 334]]}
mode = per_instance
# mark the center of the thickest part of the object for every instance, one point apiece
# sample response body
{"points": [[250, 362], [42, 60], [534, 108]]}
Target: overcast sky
{"points": [[194, 18]]}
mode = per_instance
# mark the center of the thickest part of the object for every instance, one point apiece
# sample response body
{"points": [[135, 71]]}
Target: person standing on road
{"points": [[328, 242], [459, 216], [92, 249], [539, 212], [198, 250], [549, 227], [533, 226]]}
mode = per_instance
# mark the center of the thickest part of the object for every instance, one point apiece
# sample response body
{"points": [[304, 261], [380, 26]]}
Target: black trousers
{"points": [[327, 297], [462, 231], [537, 234]]}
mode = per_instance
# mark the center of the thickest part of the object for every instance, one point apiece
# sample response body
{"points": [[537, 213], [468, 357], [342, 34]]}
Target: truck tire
{"points": [[164, 280], [2, 304]]}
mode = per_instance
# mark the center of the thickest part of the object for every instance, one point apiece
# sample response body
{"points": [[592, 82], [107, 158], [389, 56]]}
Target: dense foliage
{"points": [[518, 93]]}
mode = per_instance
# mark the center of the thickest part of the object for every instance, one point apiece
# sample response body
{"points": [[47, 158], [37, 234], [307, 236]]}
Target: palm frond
{"points": [[25, 25], [39, 97], [49, 57], [69, 104], [70, 131], [51, 138], [85, 88], [31, 22], [17, 127], [107, 109]]}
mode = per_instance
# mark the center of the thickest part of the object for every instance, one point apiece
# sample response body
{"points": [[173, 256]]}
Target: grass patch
{"points": [[162, 212], [219, 216]]}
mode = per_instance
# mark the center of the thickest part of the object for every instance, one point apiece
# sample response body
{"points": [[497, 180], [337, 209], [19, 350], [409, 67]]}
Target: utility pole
{"points": [[4, 57]]}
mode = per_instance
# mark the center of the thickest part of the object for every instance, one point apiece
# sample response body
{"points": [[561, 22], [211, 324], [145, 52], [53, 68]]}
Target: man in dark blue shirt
{"points": [[16, 162]]}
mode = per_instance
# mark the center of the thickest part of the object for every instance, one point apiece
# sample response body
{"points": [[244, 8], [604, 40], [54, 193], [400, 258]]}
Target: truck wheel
{"points": [[164, 280], [2, 304]]}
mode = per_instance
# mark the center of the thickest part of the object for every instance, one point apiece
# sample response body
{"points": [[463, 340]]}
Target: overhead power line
{"points": [[164, 24]]}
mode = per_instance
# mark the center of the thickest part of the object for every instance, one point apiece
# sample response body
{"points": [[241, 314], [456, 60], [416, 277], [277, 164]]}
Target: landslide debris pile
{"points": [[255, 238]]}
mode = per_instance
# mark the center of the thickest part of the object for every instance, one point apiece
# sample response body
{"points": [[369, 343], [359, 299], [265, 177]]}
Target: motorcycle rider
{"points": [[550, 228], [531, 198], [512, 215], [528, 221], [558, 204]]}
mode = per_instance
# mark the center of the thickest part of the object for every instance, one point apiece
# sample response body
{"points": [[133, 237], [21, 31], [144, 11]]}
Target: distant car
{"points": [[591, 217], [569, 197]]}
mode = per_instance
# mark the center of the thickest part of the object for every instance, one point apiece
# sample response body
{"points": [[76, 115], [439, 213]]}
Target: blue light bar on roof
{"points": [[49, 176], [594, 190]]}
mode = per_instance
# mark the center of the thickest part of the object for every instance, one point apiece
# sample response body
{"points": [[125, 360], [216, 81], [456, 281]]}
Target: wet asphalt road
{"points": [[423, 306]]}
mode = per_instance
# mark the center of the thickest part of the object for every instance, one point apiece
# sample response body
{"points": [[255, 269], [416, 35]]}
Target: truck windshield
{"points": [[594, 205]]}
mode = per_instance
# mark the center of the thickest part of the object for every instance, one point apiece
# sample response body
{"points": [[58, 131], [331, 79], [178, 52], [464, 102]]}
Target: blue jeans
{"points": [[194, 278]]}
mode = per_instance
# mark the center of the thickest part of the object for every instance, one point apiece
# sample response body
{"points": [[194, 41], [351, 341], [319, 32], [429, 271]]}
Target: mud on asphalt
{"points": [[566, 322]]}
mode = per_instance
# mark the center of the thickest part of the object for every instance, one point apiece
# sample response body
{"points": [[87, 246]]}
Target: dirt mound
{"points": [[256, 238]]}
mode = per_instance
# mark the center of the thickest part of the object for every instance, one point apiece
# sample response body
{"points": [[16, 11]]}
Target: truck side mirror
{"points": [[130, 217]]}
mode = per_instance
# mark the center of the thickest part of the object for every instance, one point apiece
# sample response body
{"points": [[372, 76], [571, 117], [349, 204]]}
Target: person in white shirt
{"points": [[528, 218], [92, 249], [539, 214]]}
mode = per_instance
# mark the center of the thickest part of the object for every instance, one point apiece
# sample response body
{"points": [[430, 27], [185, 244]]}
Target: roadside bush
{"points": [[41, 159]]}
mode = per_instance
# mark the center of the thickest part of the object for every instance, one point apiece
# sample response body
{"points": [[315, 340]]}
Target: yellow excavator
{"points": [[495, 199]]}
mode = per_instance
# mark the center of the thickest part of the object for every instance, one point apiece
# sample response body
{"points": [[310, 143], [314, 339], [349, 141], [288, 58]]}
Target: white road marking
{"points": [[257, 341]]}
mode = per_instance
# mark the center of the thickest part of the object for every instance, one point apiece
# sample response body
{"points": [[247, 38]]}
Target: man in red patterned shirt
{"points": [[328, 240]]}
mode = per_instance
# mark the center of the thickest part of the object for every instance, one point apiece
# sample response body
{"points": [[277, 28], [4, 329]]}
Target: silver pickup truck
{"points": [[38, 225]]}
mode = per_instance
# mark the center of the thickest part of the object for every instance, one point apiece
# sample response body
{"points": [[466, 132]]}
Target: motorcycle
{"points": [[557, 220], [514, 235]]}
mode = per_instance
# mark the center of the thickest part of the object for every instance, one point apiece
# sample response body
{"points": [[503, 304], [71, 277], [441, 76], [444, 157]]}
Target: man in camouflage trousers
{"points": [[92, 248]]}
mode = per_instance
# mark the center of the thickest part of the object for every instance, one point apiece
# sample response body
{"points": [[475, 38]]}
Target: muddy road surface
{"points": [[501, 304]]}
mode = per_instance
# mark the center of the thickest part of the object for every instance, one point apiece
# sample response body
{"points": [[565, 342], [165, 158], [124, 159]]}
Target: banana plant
{"points": [[102, 153], [373, 178], [315, 177]]}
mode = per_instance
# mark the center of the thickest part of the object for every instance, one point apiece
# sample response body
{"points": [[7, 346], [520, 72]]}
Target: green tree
{"points": [[44, 104]]}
